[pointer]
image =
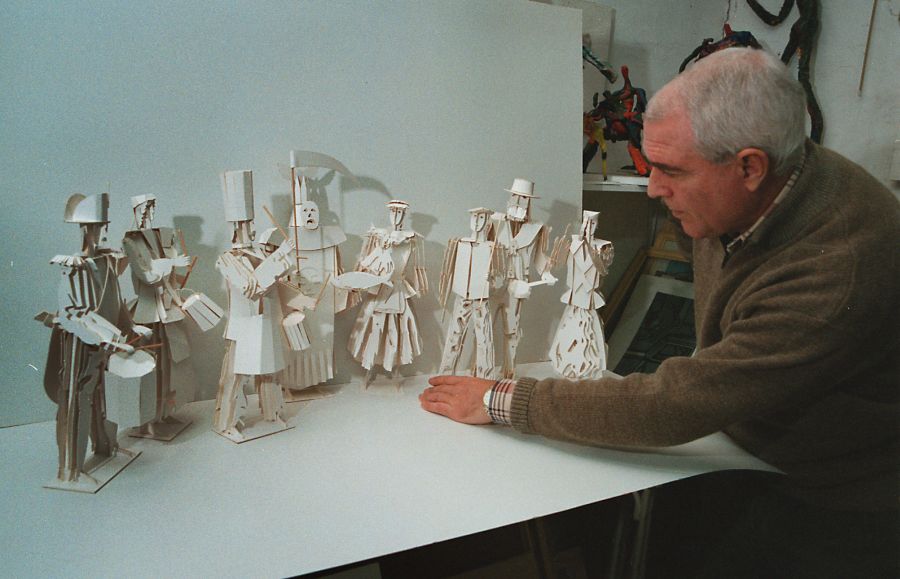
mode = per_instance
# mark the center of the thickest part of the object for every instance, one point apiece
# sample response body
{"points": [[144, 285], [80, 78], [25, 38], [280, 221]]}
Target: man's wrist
{"points": [[498, 401]]}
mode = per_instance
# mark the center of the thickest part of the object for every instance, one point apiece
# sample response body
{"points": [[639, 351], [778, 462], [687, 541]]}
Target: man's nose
{"points": [[656, 187]]}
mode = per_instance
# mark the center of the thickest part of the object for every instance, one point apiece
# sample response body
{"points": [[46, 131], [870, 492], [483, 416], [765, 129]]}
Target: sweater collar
{"points": [[807, 193]]}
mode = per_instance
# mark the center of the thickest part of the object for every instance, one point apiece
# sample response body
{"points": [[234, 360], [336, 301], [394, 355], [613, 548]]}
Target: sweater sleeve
{"points": [[798, 327]]}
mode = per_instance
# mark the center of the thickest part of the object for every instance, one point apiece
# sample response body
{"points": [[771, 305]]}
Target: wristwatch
{"points": [[486, 401]]}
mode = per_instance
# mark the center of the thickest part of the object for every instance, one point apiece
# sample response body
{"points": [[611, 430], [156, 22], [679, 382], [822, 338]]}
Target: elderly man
{"points": [[797, 327]]}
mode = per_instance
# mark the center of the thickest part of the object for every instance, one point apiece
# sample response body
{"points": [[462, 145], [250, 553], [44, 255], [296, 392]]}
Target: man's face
{"points": [[707, 198], [517, 208]]}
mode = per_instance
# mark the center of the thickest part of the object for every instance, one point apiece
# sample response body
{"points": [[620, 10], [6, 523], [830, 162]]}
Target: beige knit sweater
{"points": [[799, 342]]}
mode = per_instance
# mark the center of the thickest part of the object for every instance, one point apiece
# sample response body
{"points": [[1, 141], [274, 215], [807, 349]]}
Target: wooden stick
{"points": [[277, 226], [188, 273], [294, 213], [149, 347], [322, 289], [862, 73]]}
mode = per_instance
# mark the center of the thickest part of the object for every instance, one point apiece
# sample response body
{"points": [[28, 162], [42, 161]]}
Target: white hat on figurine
{"points": [[93, 209], [480, 210], [238, 189], [397, 204], [522, 188], [139, 200]]}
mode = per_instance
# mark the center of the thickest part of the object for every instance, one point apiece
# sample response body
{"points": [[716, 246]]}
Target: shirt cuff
{"points": [[500, 402]]}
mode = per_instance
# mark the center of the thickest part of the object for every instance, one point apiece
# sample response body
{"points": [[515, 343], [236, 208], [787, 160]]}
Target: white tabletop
{"points": [[363, 474]]}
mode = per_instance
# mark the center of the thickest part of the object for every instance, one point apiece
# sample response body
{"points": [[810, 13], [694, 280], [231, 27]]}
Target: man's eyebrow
{"points": [[664, 167]]}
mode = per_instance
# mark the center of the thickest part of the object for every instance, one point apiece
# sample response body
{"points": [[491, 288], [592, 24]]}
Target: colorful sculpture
{"points": [[621, 113]]}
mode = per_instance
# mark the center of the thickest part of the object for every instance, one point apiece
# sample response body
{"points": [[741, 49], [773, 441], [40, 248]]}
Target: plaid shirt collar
{"points": [[733, 244]]}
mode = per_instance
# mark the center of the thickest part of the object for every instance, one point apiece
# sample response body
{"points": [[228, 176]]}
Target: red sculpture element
{"points": [[622, 113]]}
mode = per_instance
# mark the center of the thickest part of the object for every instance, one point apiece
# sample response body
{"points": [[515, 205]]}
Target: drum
{"points": [[296, 334], [203, 311]]}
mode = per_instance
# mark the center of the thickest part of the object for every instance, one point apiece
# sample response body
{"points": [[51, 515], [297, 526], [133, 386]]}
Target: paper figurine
{"points": [[579, 349], [390, 274], [258, 332], [92, 331], [471, 264], [319, 262], [525, 244], [161, 304]]}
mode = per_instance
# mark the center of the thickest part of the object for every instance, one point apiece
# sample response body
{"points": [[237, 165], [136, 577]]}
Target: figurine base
{"points": [[164, 431], [97, 474], [254, 428], [306, 394]]}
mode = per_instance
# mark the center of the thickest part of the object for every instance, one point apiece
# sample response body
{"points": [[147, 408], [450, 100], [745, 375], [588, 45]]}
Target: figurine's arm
{"points": [[254, 283], [278, 264], [420, 274], [542, 262], [447, 269], [150, 271]]}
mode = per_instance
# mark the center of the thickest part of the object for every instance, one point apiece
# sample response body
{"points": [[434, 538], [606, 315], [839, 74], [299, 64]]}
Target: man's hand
{"points": [[457, 397]]}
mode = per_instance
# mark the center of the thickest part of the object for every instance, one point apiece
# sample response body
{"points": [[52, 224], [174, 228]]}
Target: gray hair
{"points": [[738, 98]]}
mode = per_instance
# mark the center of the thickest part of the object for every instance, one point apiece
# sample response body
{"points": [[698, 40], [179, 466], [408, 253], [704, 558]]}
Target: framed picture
{"points": [[657, 323]]}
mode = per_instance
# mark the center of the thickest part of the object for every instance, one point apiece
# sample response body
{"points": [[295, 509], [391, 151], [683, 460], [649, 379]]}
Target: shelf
{"points": [[630, 183]]}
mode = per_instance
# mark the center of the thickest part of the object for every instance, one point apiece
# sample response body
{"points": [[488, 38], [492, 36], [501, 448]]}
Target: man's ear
{"points": [[754, 167]]}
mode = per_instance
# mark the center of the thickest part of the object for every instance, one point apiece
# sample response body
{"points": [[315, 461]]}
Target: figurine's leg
{"points": [[67, 401], [103, 431], [484, 339], [603, 168], [372, 350], [230, 388], [511, 313], [165, 395], [271, 399], [391, 349], [77, 412], [456, 336]]}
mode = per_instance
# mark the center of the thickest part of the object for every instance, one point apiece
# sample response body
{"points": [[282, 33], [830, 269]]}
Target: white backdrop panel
{"points": [[438, 103]]}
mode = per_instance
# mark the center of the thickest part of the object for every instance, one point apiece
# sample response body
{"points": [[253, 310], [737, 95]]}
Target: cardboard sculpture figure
{"points": [[524, 243], [92, 331], [388, 271], [154, 253], [319, 261], [257, 328], [470, 266], [579, 349]]}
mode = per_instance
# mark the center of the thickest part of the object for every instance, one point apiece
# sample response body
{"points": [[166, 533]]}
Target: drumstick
{"points": [[275, 223], [188, 273]]}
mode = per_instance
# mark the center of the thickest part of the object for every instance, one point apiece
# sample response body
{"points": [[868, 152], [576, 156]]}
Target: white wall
{"points": [[438, 103]]}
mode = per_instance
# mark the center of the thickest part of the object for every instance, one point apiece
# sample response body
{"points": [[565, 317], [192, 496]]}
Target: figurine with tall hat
{"points": [[92, 331], [162, 302], [524, 243], [471, 266], [309, 291], [256, 335], [578, 350], [390, 273]]}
